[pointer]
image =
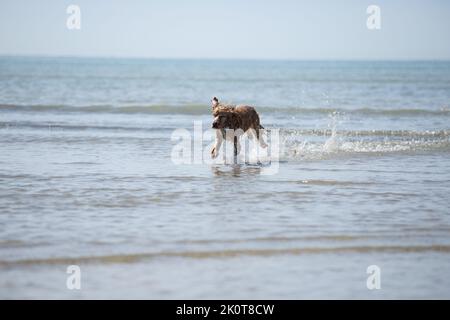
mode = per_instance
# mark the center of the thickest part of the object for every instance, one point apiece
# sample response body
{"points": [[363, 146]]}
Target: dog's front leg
{"points": [[216, 148]]}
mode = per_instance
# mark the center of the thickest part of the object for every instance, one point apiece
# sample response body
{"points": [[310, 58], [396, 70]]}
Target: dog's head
{"points": [[226, 120], [215, 106]]}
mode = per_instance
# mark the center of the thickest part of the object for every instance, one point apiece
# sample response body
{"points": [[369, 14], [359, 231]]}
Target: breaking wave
{"points": [[317, 144]]}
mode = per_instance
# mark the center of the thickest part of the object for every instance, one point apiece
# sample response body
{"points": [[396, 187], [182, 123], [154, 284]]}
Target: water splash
{"points": [[315, 144], [332, 143]]}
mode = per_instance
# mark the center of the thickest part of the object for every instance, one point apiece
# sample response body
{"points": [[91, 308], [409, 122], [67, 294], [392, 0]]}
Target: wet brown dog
{"points": [[240, 119]]}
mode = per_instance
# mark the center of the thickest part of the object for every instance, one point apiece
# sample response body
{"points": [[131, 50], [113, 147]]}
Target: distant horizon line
{"points": [[8, 55]]}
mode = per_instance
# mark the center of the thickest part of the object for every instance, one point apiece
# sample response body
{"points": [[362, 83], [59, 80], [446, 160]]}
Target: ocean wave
{"points": [[367, 133], [330, 143], [336, 146], [286, 133], [294, 143], [78, 127], [200, 109], [223, 254]]}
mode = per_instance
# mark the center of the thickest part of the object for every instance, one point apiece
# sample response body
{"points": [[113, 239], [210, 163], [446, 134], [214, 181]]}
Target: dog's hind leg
{"points": [[237, 148]]}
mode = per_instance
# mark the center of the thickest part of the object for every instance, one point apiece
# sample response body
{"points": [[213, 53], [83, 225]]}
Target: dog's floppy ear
{"points": [[214, 102], [223, 118]]}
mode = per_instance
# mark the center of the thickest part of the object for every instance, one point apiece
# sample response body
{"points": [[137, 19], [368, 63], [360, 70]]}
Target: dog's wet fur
{"points": [[237, 119]]}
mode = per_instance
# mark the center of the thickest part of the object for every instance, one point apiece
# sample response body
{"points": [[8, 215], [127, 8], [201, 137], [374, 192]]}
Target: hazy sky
{"points": [[262, 29]]}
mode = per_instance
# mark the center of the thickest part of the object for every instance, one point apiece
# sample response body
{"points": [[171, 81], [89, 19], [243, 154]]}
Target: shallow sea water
{"points": [[87, 178]]}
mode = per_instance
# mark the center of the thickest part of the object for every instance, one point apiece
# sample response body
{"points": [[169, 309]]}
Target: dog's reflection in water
{"points": [[235, 170]]}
